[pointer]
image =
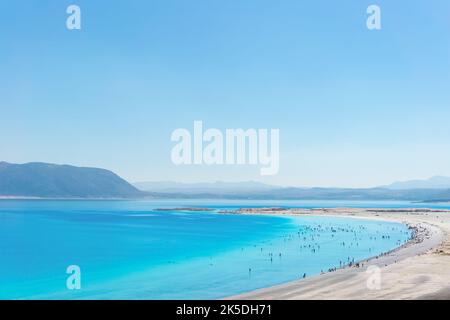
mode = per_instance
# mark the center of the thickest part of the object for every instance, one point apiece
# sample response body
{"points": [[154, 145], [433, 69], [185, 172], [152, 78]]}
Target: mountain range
{"points": [[44, 180]]}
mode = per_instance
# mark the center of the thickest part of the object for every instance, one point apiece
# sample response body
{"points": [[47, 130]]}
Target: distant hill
{"points": [[371, 194], [218, 187], [437, 182], [358, 194], [46, 180]]}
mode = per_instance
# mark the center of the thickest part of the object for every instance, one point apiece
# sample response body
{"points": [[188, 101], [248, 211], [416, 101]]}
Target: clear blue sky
{"points": [[354, 107]]}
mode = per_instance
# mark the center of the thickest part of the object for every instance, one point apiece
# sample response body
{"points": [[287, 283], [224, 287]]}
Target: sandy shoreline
{"points": [[419, 269]]}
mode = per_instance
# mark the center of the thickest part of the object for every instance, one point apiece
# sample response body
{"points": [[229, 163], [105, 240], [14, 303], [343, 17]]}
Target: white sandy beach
{"points": [[417, 270]]}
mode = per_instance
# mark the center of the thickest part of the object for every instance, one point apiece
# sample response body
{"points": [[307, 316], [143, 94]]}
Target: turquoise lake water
{"points": [[126, 250]]}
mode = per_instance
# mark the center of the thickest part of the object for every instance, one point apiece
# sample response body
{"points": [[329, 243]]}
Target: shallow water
{"points": [[128, 251]]}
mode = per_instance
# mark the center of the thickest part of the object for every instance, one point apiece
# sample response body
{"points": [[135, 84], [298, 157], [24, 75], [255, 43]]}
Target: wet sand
{"points": [[419, 269]]}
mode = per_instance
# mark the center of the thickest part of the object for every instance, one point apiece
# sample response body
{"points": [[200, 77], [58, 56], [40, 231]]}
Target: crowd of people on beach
{"points": [[311, 239]]}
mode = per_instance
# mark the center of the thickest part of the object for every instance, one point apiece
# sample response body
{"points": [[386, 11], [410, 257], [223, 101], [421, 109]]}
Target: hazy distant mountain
{"points": [[437, 182], [218, 187], [371, 194], [62, 181], [259, 191], [358, 194]]}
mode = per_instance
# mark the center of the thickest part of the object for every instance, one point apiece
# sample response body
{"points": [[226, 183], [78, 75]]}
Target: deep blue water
{"points": [[128, 251]]}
